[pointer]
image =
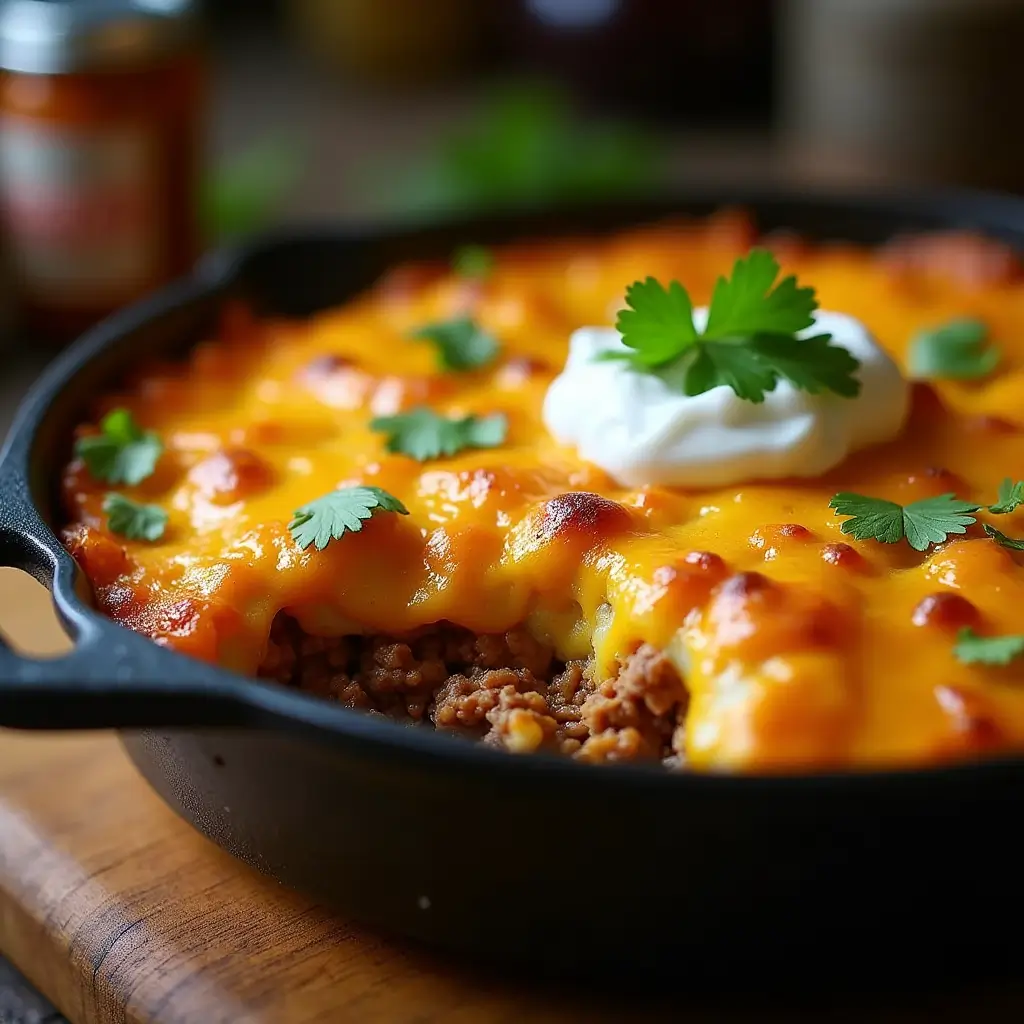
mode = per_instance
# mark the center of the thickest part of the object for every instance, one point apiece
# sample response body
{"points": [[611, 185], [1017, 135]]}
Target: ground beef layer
{"points": [[507, 690]]}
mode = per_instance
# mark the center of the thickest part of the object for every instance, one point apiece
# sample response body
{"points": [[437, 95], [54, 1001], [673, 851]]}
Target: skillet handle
{"points": [[110, 681], [112, 678]]}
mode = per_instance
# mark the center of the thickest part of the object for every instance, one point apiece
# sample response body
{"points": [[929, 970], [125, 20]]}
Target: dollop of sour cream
{"points": [[642, 429]]}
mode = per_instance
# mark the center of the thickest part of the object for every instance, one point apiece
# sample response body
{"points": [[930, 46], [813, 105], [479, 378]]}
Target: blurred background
{"points": [[136, 133]]}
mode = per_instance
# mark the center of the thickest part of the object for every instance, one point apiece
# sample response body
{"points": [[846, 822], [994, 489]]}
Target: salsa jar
{"points": [[100, 153]]}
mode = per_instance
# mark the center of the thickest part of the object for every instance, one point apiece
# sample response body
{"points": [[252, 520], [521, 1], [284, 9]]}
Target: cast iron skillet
{"points": [[565, 868]]}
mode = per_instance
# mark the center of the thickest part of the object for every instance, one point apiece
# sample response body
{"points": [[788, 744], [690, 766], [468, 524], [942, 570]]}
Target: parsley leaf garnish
{"points": [[924, 522], [750, 339], [422, 434], [954, 351], [746, 303], [132, 520], [473, 261], [122, 453], [461, 344], [342, 511], [1011, 495], [658, 324], [972, 649], [1000, 538], [811, 364]]}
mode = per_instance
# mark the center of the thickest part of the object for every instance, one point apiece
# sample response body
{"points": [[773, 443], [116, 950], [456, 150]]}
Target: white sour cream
{"points": [[642, 429]]}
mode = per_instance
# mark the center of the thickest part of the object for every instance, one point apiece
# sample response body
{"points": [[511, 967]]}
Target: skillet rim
{"points": [[263, 704]]}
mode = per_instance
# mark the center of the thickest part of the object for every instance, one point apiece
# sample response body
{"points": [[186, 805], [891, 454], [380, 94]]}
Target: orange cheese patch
{"points": [[799, 645]]}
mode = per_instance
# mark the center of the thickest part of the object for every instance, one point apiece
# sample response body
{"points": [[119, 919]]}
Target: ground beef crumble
{"points": [[508, 690]]}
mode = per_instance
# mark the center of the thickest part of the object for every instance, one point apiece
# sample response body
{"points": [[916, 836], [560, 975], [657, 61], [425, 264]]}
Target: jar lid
{"points": [[52, 37]]}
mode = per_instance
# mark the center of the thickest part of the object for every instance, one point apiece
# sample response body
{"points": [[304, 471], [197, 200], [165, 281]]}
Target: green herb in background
{"points": [[130, 519], [526, 146], [122, 452], [971, 649], [1011, 494], [473, 261], [422, 434], [461, 343], [1000, 538], [955, 351], [246, 192]]}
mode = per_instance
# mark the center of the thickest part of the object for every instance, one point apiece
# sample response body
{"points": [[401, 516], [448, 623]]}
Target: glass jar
{"points": [[100, 135]]}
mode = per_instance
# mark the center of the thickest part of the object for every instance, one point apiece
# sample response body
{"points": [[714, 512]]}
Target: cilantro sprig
{"points": [[122, 452], [132, 520], [461, 343], [922, 523], [422, 434], [925, 522], [1001, 539], [954, 351], [971, 649], [750, 340], [342, 511], [473, 261], [1011, 495]]}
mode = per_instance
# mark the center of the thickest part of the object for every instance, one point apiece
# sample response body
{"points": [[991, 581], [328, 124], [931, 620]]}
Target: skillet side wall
{"points": [[717, 882]]}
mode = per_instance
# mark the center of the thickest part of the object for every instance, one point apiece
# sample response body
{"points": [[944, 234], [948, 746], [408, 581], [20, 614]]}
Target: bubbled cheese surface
{"points": [[801, 647]]}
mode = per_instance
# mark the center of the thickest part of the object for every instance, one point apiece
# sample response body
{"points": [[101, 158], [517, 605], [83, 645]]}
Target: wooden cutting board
{"points": [[117, 911], [120, 912]]}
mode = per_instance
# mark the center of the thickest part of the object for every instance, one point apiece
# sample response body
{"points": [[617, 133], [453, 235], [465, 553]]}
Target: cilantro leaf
{"points": [[132, 520], [422, 434], [718, 363], [460, 343], [658, 324], [746, 303], [1010, 496], [972, 649], [750, 340], [1000, 538], [932, 520], [954, 351], [122, 453], [873, 518], [924, 522], [340, 512], [473, 261], [810, 364]]}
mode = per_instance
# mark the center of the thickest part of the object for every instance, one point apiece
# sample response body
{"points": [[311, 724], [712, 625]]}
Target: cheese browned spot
{"points": [[230, 475], [946, 611]]}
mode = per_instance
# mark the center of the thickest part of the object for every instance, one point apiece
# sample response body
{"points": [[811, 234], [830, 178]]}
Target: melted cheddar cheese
{"points": [[799, 646]]}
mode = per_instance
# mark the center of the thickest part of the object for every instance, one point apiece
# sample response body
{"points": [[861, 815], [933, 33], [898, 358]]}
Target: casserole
{"points": [[532, 859]]}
